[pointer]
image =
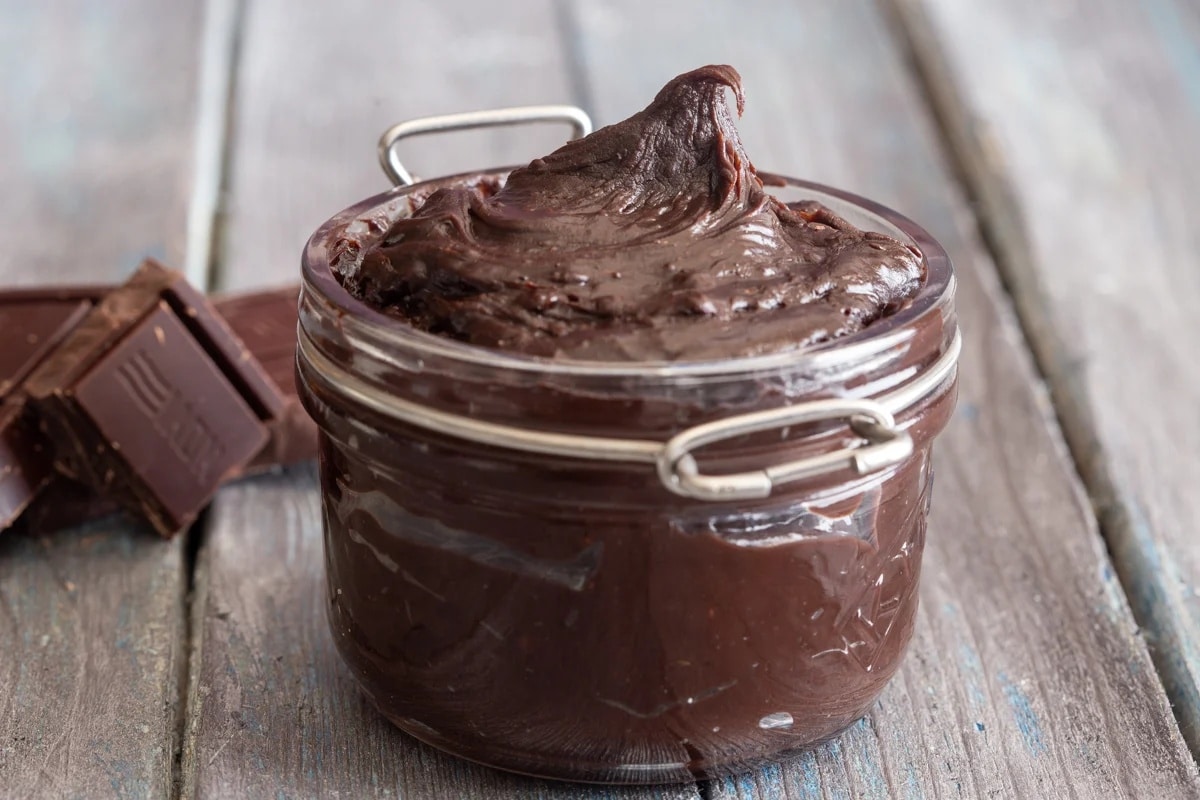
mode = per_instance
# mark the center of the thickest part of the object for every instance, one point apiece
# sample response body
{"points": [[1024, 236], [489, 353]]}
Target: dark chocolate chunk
{"points": [[36, 320], [266, 323], [152, 400], [65, 503], [226, 349], [33, 322], [25, 463]]}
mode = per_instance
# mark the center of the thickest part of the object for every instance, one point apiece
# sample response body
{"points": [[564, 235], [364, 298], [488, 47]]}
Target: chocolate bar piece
{"points": [[25, 463], [151, 400], [65, 503], [266, 323], [34, 322]]}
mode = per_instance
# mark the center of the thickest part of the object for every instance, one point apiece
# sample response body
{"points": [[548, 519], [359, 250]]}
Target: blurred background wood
{"points": [[98, 116]]}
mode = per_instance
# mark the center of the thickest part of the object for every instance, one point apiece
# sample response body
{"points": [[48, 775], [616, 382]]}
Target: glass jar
{"points": [[576, 615]]}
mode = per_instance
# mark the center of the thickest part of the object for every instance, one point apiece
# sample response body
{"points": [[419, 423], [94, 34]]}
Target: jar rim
{"points": [[389, 333]]}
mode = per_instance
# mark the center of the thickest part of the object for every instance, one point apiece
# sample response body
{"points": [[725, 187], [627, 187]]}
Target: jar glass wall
{"points": [[572, 618]]}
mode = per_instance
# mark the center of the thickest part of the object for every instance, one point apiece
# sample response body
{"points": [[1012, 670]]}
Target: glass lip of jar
{"points": [[389, 339]]}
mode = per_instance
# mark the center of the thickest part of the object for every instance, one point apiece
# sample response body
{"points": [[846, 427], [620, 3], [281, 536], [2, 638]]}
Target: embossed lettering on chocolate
{"points": [[566, 612], [652, 239]]}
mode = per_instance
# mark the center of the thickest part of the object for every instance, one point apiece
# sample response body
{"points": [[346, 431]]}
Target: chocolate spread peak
{"points": [[652, 239]]}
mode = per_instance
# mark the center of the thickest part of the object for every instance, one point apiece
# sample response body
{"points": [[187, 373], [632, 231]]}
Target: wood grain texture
{"points": [[1027, 677], [274, 713], [1080, 135], [91, 629], [98, 121]]}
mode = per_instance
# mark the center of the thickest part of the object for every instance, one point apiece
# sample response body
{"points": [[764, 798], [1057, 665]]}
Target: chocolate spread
{"points": [[572, 618], [652, 239]]}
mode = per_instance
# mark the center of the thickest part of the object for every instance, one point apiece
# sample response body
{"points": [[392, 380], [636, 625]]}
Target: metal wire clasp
{"points": [[580, 123], [886, 446]]}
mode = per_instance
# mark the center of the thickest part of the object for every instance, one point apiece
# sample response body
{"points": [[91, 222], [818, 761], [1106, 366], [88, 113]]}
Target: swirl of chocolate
{"points": [[650, 240]]}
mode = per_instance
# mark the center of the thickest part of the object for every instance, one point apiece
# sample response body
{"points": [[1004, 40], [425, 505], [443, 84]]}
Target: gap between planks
{"points": [[220, 46], [219, 56]]}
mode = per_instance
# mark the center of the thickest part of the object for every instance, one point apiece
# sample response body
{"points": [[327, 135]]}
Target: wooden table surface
{"points": [[1052, 145]]}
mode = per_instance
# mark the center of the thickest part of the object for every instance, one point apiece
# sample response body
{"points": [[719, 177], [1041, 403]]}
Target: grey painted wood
{"points": [[1080, 135], [91, 629], [97, 137], [98, 124], [1027, 677], [273, 712]]}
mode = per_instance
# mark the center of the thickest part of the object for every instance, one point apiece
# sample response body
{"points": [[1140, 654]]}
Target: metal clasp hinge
{"points": [[886, 446], [580, 123]]}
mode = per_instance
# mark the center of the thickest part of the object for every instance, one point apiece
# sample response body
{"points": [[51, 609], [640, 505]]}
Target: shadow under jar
{"points": [[571, 617]]}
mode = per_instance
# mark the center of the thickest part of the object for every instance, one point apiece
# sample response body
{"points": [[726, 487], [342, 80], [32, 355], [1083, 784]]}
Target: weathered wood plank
{"points": [[1080, 135], [97, 140], [274, 713], [91, 637], [1026, 676]]}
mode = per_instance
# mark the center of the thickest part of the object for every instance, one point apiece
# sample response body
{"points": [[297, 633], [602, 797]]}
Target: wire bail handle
{"points": [[399, 175]]}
